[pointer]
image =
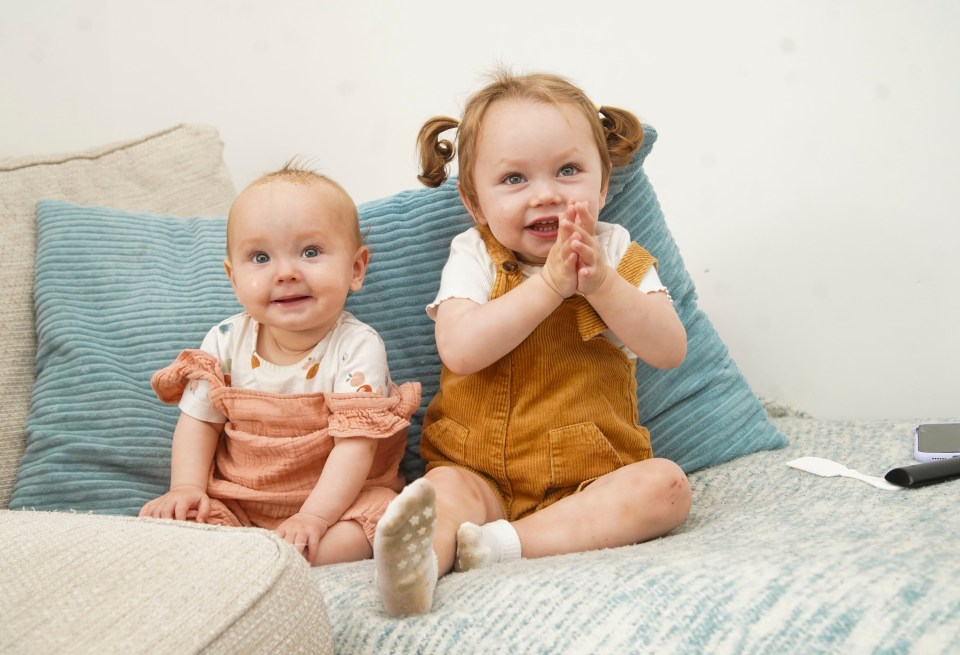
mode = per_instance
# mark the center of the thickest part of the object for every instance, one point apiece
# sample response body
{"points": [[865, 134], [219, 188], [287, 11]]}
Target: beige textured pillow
{"points": [[177, 171], [80, 583]]}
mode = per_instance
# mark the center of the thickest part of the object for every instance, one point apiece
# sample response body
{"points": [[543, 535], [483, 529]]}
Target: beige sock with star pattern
{"points": [[403, 551]]}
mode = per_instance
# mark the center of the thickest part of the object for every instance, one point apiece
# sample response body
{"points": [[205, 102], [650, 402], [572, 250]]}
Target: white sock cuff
{"points": [[506, 535]]}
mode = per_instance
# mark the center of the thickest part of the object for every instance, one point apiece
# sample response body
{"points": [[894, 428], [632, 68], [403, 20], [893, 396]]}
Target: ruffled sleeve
{"points": [[191, 364], [370, 415]]}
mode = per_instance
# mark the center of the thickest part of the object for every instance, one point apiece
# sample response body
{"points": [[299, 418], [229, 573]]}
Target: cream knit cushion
{"points": [[81, 583], [177, 171]]}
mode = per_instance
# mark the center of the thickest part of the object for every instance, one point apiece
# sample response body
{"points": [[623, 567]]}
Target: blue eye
{"points": [[312, 251], [568, 170], [260, 258], [513, 178]]}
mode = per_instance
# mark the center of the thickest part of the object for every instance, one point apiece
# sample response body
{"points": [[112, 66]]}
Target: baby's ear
{"points": [[228, 268], [603, 194], [475, 213], [360, 262]]}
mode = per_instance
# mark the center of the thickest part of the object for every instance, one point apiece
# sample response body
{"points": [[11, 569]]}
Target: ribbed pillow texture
{"points": [[119, 294], [179, 170]]}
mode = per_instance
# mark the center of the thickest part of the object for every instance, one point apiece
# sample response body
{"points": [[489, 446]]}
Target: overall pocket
{"points": [[580, 452], [444, 440]]}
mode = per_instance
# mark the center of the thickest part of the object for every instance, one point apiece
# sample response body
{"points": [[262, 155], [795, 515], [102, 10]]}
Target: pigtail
{"points": [[435, 153], [624, 134]]}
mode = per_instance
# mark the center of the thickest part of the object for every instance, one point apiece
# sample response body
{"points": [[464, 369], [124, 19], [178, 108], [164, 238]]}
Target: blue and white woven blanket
{"points": [[771, 560]]}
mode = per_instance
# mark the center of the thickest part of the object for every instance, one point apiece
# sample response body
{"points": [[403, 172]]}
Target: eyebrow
{"points": [[569, 153]]}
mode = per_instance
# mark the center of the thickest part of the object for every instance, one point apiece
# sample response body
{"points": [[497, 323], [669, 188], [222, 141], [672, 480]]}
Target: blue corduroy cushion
{"points": [[119, 294]]}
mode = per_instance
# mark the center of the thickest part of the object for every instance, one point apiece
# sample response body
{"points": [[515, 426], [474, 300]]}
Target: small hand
{"points": [[560, 269], [592, 266], [182, 503], [304, 531]]}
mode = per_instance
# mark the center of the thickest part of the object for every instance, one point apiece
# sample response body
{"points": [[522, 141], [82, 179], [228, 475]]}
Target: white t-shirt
{"points": [[351, 358], [470, 273]]}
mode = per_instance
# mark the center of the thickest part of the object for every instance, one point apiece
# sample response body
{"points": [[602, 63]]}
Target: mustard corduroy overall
{"points": [[554, 414]]}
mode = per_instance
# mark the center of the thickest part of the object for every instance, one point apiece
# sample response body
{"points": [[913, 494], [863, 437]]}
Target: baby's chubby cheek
{"points": [[253, 285]]}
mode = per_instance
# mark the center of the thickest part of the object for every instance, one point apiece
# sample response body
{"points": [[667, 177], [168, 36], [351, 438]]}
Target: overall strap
{"points": [[505, 262]]}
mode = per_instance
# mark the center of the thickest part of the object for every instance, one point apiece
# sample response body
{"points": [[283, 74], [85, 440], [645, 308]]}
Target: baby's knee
{"points": [[671, 488], [454, 484]]}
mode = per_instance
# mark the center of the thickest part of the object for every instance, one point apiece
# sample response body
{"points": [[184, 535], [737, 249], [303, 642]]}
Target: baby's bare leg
{"points": [[345, 541], [462, 497], [633, 504]]}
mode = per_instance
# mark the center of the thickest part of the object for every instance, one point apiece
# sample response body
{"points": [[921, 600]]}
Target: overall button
{"points": [[509, 267]]}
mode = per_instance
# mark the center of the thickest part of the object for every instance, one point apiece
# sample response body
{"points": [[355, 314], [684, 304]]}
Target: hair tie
{"points": [[598, 107]]}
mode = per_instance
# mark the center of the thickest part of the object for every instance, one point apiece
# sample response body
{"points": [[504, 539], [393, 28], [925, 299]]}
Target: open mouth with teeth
{"points": [[546, 226]]}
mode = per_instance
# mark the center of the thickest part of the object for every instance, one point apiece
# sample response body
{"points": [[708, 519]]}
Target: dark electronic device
{"points": [[933, 442], [917, 475]]}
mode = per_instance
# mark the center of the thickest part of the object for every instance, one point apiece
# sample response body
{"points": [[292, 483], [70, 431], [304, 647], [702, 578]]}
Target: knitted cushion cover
{"points": [[75, 583], [119, 293]]}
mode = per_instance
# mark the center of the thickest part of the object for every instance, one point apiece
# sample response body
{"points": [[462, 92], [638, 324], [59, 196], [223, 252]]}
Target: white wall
{"points": [[807, 162]]}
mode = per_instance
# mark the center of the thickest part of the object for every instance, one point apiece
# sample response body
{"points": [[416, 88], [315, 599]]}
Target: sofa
{"points": [[113, 266]]}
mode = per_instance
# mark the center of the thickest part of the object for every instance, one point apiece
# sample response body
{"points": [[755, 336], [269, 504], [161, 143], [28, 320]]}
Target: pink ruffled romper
{"points": [[274, 446]]}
